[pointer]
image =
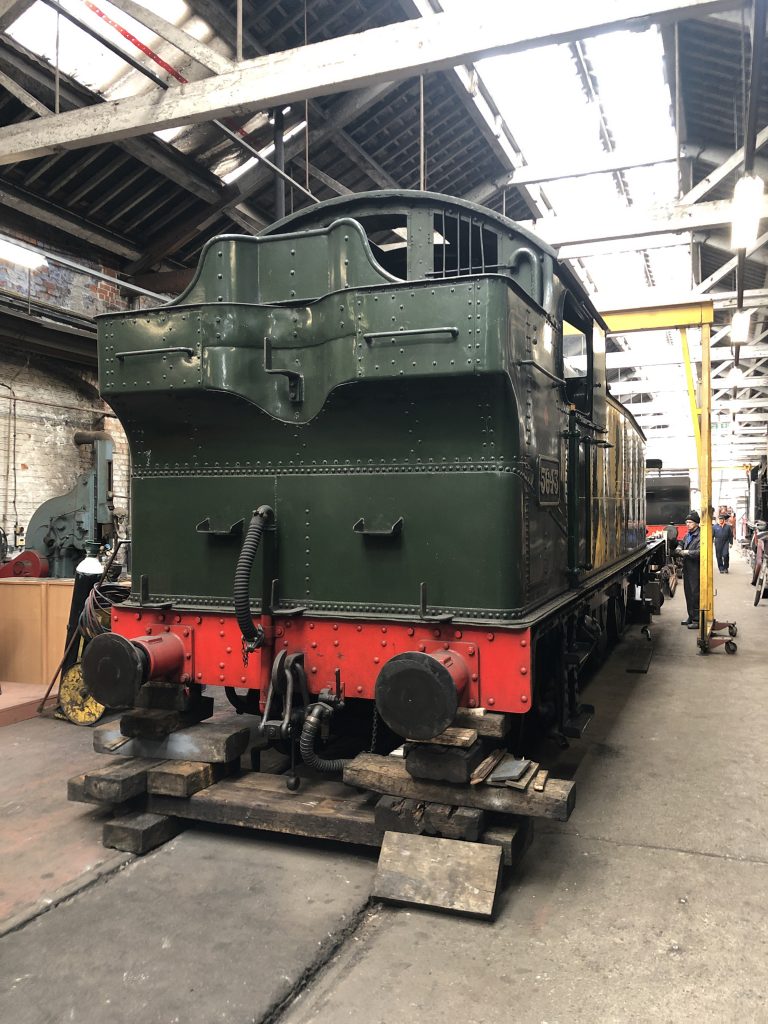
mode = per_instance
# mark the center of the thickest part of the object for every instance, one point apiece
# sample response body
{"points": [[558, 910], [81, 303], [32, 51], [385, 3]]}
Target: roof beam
{"points": [[11, 10], [716, 155], [201, 53], [632, 222], [729, 265], [721, 241], [55, 217], [633, 358], [383, 54], [478, 102], [150, 151], [252, 180], [31, 102], [532, 174], [727, 167]]}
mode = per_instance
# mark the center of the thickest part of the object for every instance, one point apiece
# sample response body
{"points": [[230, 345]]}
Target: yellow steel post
{"points": [[691, 391], [706, 589]]}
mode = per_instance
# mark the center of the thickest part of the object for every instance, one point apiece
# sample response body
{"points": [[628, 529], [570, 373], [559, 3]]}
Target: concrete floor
{"points": [[649, 904]]}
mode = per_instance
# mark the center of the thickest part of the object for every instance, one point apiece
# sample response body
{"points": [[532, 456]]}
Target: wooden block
{"points": [[514, 838], [454, 822], [140, 832], [444, 873], [487, 723], [389, 775], [213, 742], [321, 810], [157, 723], [183, 778], [168, 696], [397, 814], [76, 791], [453, 737], [119, 781], [541, 780]]}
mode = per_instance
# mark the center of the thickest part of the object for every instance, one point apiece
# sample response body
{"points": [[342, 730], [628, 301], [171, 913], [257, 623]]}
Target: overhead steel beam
{"points": [[721, 241], [638, 358], [727, 167], [728, 266], [393, 52], [537, 174], [634, 223], [716, 155]]}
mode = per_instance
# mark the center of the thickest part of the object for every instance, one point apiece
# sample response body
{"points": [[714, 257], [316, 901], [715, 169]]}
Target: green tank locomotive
{"points": [[375, 465]]}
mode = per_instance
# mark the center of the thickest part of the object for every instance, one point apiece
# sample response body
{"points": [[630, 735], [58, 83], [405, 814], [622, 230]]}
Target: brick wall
{"points": [[52, 402]]}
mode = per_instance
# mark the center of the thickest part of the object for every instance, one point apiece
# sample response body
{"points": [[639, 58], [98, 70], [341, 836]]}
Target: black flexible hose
{"points": [[309, 732], [252, 634]]}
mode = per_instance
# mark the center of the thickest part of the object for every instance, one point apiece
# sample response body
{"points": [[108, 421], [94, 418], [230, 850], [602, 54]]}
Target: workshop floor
{"points": [[649, 904]]}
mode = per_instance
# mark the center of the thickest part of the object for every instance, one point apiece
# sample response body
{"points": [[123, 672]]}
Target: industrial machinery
{"points": [[58, 531], [378, 478]]}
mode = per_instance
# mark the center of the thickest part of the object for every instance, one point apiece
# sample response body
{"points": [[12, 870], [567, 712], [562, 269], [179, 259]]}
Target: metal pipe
{"points": [[573, 436], [57, 405], [279, 126], [422, 155], [750, 129]]}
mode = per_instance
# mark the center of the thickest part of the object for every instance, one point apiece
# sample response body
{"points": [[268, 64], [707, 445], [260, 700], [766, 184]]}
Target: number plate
{"points": [[548, 481]]}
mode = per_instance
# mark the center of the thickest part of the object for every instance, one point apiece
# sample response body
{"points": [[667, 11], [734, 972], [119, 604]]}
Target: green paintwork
{"points": [[311, 380]]}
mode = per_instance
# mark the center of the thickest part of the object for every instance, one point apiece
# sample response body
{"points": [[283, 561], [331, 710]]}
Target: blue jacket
{"points": [[722, 535]]}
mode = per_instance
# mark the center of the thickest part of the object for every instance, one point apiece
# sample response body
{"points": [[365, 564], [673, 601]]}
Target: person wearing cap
{"points": [[690, 555], [722, 535]]}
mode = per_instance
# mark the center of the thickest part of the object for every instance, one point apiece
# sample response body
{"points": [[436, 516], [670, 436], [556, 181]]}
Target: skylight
{"points": [[558, 123]]}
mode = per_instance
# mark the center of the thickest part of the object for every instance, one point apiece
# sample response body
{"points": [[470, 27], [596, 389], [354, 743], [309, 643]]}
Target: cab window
{"points": [[577, 364]]}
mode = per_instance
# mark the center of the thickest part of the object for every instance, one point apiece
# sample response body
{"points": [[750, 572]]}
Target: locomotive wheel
{"points": [[75, 702], [730, 647]]}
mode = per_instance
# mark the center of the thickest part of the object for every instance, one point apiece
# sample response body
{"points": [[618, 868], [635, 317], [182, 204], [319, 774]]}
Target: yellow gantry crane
{"points": [[681, 318]]}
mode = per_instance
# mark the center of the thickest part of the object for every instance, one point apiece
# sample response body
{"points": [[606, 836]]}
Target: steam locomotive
{"points": [[378, 478]]}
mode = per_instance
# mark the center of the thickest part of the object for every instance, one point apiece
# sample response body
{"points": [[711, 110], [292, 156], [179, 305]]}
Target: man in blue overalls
{"points": [[722, 535], [690, 554]]}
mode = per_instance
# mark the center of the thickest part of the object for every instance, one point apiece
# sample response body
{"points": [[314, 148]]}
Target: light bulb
{"points": [[745, 211], [740, 326]]}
